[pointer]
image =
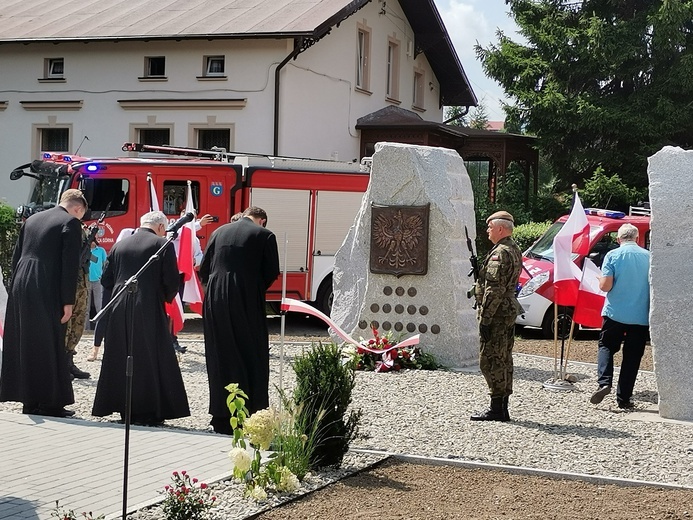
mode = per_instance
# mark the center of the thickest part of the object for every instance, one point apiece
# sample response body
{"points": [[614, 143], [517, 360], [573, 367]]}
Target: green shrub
{"points": [[324, 383], [526, 234], [9, 231]]}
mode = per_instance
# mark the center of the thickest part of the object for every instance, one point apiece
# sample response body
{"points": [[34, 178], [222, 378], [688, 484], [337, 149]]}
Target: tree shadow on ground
{"points": [[574, 429]]}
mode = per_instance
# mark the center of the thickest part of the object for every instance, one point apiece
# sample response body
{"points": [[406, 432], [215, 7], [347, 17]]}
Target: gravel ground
{"points": [[427, 414]]}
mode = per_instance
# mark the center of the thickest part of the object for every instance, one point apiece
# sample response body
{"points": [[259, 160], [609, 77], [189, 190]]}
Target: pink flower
{"points": [[203, 486], [183, 472]]}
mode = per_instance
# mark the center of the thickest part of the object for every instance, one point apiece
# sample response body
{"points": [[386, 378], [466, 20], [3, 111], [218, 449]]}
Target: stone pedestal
{"points": [[671, 272], [434, 305]]}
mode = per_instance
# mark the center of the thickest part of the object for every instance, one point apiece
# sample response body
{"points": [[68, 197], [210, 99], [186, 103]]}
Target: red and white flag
{"points": [[574, 237], [192, 291], [175, 308], [590, 299], [153, 199]]}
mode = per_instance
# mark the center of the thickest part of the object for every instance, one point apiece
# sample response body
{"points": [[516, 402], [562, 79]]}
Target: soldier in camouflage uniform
{"points": [[497, 309], [75, 325]]}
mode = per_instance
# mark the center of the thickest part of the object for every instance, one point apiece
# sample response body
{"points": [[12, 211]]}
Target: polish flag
{"points": [[590, 299], [153, 199], [175, 308], [574, 237], [192, 291]]}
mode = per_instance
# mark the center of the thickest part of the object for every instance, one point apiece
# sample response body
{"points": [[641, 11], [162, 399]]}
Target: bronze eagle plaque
{"points": [[399, 239]]}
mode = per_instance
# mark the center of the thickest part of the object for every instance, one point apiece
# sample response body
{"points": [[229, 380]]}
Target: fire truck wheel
{"points": [[565, 318], [323, 302]]}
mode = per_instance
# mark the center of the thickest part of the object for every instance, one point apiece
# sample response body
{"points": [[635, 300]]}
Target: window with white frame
{"points": [[418, 95], [155, 66], [54, 68], [154, 136], [208, 138], [214, 66], [363, 50], [392, 69], [54, 139]]}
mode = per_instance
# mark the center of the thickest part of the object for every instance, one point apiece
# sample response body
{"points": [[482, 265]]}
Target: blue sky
{"points": [[472, 21]]}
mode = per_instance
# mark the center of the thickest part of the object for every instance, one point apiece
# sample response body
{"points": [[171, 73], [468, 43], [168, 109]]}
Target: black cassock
{"points": [[158, 392], [35, 364], [241, 261]]}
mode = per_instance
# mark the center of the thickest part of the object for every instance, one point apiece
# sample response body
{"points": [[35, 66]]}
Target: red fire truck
{"points": [[311, 204]]}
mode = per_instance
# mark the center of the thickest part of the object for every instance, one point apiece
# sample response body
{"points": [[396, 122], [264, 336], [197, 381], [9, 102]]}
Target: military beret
{"points": [[502, 215]]}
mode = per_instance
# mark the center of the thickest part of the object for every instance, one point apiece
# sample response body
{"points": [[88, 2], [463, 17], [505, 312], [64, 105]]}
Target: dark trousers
{"points": [[633, 337]]}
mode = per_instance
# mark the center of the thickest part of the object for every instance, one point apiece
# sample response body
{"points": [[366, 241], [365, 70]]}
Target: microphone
{"points": [[173, 228]]}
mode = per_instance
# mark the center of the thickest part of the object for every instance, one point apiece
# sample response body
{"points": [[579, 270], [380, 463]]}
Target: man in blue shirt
{"points": [[625, 315]]}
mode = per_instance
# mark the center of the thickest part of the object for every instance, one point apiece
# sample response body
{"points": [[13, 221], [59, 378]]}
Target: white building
{"points": [[279, 77]]}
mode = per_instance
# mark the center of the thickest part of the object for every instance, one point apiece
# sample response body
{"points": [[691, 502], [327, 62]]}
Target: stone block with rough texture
{"points": [[434, 305], [671, 198]]}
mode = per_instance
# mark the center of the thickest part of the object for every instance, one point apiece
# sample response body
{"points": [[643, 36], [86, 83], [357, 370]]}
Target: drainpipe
{"points": [[297, 50], [458, 116]]}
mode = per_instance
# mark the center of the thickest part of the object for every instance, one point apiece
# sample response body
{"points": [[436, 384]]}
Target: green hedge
{"points": [[526, 234], [9, 231]]}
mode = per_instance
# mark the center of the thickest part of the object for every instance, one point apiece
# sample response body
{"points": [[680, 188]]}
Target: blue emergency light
{"points": [[604, 213], [92, 167]]}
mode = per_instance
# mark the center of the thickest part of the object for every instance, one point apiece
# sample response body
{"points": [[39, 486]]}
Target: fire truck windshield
{"points": [[46, 190]]}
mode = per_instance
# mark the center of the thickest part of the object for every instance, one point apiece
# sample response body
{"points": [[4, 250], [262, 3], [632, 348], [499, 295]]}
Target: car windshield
{"points": [[542, 249]]}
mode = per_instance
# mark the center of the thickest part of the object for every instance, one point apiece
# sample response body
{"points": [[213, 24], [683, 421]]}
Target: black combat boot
{"points": [[494, 413], [506, 415]]}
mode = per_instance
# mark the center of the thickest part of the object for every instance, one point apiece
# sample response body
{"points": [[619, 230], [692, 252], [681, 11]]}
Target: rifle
{"points": [[92, 230], [474, 271]]}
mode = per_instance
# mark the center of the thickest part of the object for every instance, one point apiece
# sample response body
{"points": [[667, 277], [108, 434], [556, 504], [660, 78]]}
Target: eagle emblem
{"points": [[399, 239]]}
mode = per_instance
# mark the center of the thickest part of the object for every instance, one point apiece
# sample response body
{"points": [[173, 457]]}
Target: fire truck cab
{"points": [[311, 204]]}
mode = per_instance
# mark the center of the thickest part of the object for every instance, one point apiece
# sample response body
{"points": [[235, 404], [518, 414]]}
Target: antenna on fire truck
{"points": [[85, 138]]}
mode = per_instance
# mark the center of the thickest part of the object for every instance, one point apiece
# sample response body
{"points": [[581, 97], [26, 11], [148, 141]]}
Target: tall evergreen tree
{"points": [[599, 81]]}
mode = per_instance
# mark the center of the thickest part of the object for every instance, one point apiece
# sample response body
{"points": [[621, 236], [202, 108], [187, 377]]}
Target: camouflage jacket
{"points": [[498, 277]]}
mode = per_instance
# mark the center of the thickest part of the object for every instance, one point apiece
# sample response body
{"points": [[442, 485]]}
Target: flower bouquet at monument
{"points": [[381, 353]]}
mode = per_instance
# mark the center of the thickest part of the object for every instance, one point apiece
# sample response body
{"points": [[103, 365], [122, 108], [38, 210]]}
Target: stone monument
{"points": [[384, 276], [671, 325]]}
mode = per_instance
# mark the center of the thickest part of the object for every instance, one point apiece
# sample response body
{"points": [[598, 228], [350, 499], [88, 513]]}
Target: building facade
{"points": [[268, 85]]}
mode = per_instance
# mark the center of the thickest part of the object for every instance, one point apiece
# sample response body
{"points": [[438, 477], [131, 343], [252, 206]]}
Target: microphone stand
{"points": [[130, 287]]}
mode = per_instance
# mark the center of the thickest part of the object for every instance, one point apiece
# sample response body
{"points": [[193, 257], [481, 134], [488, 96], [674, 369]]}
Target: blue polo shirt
{"points": [[628, 301]]}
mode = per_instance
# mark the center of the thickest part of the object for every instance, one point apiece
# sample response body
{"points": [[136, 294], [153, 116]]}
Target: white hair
{"points": [[628, 232], [153, 218], [504, 222]]}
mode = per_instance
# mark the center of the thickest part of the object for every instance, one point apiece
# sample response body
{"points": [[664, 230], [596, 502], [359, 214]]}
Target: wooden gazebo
{"points": [[498, 149]]}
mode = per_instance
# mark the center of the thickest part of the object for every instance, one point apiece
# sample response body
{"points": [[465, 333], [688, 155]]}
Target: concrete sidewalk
{"points": [[80, 463]]}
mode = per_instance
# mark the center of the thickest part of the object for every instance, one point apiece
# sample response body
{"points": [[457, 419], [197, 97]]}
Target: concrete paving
{"points": [[80, 463]]}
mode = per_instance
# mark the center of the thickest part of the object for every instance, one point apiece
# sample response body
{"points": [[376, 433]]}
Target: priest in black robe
{"points": [[45, 264], [158, 392], [240, 263]]}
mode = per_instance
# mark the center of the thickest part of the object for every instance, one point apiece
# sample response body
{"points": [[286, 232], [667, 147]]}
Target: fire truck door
{"points": [[115, 192], [173, 194]]}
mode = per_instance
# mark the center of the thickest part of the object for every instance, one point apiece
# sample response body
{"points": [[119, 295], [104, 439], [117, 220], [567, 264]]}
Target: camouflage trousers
{"points": [[496, 357], [75, 325]]}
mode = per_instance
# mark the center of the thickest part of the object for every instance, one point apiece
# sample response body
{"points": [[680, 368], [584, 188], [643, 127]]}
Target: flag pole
{"points": [[555, 338], [282, 323], [567, 350]]}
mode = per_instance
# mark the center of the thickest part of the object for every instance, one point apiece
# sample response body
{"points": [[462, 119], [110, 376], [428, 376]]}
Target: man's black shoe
{"points": [[626, 405], [55, 412], [600, 394], [178, 348], [79, 374]]}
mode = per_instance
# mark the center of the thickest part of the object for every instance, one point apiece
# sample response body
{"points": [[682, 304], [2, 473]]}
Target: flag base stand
{"points": [[559, 385]]}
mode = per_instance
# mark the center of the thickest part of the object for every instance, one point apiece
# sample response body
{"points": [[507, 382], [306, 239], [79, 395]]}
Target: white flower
{"points": [[261, 427], [258, 494], [288, 481], [241, 459]]}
